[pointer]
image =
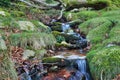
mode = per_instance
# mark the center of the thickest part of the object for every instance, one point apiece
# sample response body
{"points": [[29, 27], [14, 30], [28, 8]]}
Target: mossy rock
{"points": [[4, 13], [27, 53], [92, 23], [57, 28], [106, 62], [85, 15], [51, 60], [111, 13], [62, 44], [114, 37], [95, 48], [82, 15], [98, 34], [67, 37], [35, 40], [40, 26], [58, 36], [40, 53], [26, 25]]}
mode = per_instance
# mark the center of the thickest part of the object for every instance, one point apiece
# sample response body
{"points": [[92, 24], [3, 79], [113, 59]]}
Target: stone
{"points": [[27, 54], [26, 25], [41, 53], [75, 57], [2, 44], [2, 13]]}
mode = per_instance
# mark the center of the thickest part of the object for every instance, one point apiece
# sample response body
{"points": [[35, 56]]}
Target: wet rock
{"points": [[53, 68], [58, 56], [75, 57], [51, 60]]}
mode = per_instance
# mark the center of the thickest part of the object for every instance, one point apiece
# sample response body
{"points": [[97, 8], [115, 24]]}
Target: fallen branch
{"points": [[31, 5], [45, 4], [61, 14]]}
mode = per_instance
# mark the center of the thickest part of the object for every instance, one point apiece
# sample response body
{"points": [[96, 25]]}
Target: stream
{"points": [[73, 64], [76, 68]]}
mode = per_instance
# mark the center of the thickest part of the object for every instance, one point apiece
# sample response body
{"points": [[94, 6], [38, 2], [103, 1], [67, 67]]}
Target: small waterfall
{"points": [[65, 27], [82, 70]]}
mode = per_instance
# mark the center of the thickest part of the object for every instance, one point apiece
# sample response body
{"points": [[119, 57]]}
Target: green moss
{"points": [[58, 36], [98, 34], [51, 60], [83, 15], [111, 13], [7, 70], [92, 23], [56, 28], [40, 26], [8, 22], [114, 35], [105, 63], [40, 53], [61, 45], [55, 33], [17, 14], [33, 39]]}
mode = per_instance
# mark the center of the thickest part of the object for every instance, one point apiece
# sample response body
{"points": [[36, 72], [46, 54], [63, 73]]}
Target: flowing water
{"points": [[79, 68], [82, 70]]}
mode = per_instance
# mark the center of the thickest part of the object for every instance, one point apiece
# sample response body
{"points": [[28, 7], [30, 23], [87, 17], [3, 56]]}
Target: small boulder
{"points": [[26, 25], [27, 54], [2, 13]]}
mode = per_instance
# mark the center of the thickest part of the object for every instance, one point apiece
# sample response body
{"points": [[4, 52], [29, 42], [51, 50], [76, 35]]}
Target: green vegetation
{"points": [[32, 39], [98, 34], [83, 15], [99, 19], [105, 63], [51, 60], [103, 32], [7, 70]]}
